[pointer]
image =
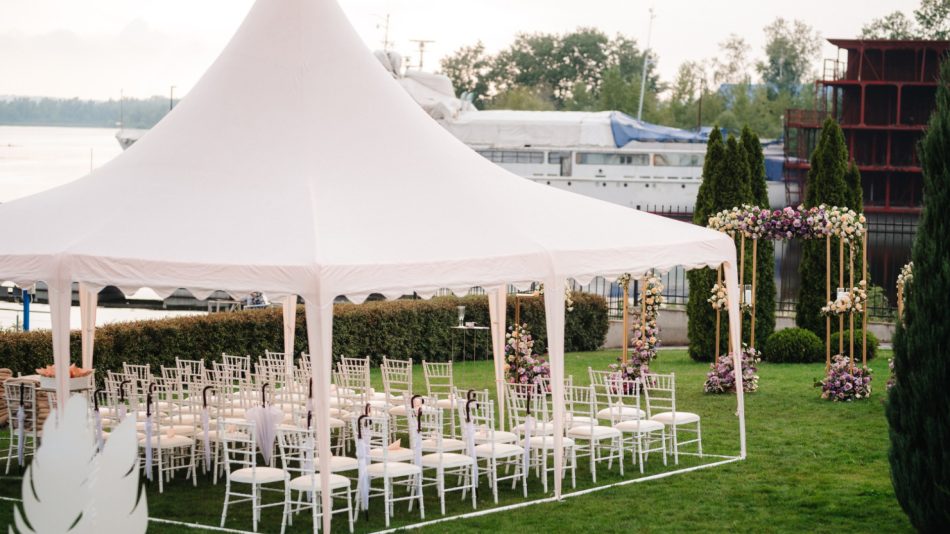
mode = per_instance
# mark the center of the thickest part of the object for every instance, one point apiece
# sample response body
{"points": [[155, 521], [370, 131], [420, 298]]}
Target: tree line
{"points": [[133, 112], [587, 70]]}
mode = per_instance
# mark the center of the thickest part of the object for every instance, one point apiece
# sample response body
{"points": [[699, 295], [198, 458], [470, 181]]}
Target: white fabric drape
{"points": [[60, 299], [290, 329], [319, 312], [554, 317], [88, 301], [497, 310], [732, 290]]}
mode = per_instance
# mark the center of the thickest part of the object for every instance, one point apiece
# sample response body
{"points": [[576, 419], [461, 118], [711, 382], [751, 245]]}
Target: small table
{"points": [[465, 330]]}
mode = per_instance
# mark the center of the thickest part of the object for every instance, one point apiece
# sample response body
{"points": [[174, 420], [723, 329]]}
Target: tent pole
{"points": [[554, 316], [735, 333], [626, 322], [319, 313], [88, 300], [290, 330], [60, 300], [497, 308], [718, 313]]}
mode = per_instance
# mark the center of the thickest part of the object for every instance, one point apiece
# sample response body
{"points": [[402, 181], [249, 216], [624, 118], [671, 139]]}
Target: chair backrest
{"points": [[374, 427], [190, 368], [623, 393], [481, 410], [522, 400], [580, 401], [20, 393], [598, 379], [428, 422], [138, 372], [397, 378], [660, 392], [297, 452], [240, 444], [440, 382], [240, 366]]}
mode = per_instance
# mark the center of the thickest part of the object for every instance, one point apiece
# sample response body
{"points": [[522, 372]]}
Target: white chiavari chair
{"points": [[660, 394], [643, 440]]}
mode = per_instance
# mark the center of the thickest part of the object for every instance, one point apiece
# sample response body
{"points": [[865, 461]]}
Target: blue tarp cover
{"points": [[625, 129]]}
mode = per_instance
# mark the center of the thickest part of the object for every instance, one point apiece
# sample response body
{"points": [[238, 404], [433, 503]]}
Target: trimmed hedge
{"points": [[417, 329], [793, 345], [872, 344]]}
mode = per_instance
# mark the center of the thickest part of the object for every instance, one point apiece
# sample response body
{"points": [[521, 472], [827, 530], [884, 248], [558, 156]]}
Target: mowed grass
{"points": [[812, 466]]}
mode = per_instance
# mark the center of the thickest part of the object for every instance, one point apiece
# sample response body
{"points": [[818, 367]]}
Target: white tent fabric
{"points": [[280, 128]]}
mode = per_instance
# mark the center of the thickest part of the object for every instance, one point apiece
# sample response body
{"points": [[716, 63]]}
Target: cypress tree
{"points": [[701, 317], [919, 403], [729, 188], [765, 276], [853, 178], [825, 185]]}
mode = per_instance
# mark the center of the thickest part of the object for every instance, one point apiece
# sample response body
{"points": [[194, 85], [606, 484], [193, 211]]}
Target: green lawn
{"points": [[813, 466]]}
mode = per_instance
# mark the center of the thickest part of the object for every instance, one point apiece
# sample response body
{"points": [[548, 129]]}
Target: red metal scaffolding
{"points": [[882, 94]]}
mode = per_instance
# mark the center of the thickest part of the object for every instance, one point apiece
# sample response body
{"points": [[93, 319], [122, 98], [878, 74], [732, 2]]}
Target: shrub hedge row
{"points": [[793, 345], [417, 329]]}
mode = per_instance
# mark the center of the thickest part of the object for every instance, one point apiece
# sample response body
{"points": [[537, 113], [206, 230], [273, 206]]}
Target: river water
{"points": [[34, 158]]}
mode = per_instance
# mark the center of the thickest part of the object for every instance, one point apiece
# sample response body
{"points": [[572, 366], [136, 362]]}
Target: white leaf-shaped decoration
{"points": [[115, 505], [55, 492], [69, 488]]}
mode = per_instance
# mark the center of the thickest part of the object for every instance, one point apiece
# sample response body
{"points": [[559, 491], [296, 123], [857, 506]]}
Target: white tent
{"points": [[298, 166]]}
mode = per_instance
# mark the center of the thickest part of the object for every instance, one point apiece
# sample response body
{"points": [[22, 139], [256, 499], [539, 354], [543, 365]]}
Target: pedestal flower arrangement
{"points": [[845, 383], [522, 365], [721, 377]]}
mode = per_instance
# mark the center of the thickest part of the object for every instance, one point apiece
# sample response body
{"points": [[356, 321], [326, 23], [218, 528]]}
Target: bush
{"points": [[417, 329], [793, 345], [872, 344]]}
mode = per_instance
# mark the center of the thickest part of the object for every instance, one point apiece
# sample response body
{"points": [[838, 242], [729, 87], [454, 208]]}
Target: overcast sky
{"points": [[95, 48]]}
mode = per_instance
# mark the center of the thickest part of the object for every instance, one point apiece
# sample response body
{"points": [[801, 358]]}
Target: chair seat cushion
{"points": [[448, 445], [213, 435], [581, 420], [312, 483], [399, 455], [682, 418], [166, 442], [625, 413], [183, 419], [339, 464], [595, 433], [540, 429], [393, 469], [446, 460], [258, 475], [501, 450], [398, 411], [547, 442], [639, 426], [498, 436]]}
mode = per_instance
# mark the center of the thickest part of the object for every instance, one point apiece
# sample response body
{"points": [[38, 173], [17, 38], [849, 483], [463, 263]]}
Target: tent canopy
{"points": [[262, 179]]}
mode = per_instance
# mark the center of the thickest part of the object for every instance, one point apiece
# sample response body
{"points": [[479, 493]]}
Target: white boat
{"points": [[606, 155]]}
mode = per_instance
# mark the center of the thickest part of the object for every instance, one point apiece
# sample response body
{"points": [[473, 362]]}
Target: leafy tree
{"points": [[468, 67], [732, 64], [919, 403], [933, 18], [765, 258], [790, 49], [701, 319], [825, 185], [893, 26]]}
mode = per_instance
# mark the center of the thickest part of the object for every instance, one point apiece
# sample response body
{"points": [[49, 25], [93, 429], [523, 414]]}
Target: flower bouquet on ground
{"points": [[843, 385], [522, 365], [721, 377], [891, 380]]}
